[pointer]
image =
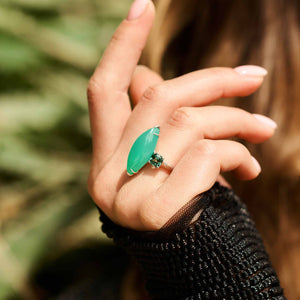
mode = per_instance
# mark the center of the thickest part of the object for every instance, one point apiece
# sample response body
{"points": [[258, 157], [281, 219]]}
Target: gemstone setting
{"points": [[142, 150], [156, 160]]}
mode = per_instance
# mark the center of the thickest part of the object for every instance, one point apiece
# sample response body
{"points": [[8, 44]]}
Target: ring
{"points": [[142, 152]]}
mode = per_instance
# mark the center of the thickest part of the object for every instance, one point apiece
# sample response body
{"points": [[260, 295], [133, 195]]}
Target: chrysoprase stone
{"points": [[142, 150]]}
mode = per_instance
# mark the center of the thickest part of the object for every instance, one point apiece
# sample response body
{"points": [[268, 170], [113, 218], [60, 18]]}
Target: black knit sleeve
{"points": [[220, 255]]}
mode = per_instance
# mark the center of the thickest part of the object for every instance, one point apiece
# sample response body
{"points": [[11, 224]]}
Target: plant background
{"points": [[48, 50]]}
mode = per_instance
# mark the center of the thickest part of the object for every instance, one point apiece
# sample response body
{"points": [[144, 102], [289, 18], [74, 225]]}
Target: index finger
{"points": [[107, 92], [123, 52]]}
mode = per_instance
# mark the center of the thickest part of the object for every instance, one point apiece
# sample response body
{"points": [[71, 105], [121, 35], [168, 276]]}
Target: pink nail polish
{"points": [[249, 70], [137, 8], [265, 120], [256, 164]]}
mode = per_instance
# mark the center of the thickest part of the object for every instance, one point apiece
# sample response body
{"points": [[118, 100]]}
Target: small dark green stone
{"points": [[156, 160]]}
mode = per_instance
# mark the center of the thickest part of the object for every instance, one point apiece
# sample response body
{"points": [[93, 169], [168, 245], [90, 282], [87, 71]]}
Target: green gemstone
{"points": [[142, 150]]}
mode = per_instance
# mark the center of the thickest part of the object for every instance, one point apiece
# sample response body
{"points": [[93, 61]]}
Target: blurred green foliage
{"points": [[48, 50]]}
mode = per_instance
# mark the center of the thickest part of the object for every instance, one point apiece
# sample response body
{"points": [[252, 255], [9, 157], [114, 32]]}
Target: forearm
{"points": [[220, 255]]}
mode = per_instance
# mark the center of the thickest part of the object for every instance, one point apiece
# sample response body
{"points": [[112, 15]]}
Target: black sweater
{"points": [[219, 255]]}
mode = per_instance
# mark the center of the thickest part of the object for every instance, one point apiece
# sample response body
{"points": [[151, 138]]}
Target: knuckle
{"points": [[93, 89], [124, 207], [240, 115], [244, 150], [92, 86], [220, 76], [219, 73], [150, 217], [118, 37], [245, 115], [99, 190], [120, 208], [90, 185], [152, 93], [240, 151], [97, 89], [141, 68], [205, 148], [181, 117]]}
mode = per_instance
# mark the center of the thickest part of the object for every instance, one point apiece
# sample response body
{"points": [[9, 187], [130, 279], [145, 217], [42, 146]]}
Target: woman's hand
{"points": [[193, 135]]}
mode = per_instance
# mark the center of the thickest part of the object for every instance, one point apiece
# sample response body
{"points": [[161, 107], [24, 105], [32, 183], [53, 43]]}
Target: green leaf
{"points": [[16, 55]]}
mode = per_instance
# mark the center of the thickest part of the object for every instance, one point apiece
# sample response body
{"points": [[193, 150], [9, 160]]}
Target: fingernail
{"points": [[251, 71], [137, 8], [265, 120], [256, 164]]}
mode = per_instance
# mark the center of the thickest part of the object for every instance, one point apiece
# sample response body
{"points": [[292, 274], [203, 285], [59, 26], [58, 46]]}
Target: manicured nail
{"points": [[265, 120], [256, 164], [251, 71], [137, 8]]}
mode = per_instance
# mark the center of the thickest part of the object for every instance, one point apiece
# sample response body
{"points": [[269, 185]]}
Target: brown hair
{"points": [[193, 34]]}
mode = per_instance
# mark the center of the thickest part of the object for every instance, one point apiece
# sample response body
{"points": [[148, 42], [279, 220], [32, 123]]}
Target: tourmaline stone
{"points": [[156, 160], [142, 150]]}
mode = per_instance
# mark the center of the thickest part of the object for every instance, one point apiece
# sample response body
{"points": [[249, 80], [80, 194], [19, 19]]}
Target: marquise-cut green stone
{"points": [[142, 150]]}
